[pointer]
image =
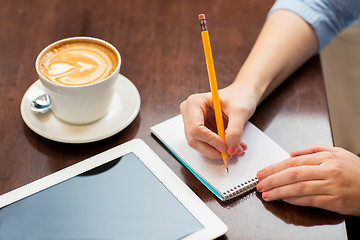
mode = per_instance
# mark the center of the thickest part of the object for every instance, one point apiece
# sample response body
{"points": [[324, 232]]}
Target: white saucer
{"points": [[123, 110]]}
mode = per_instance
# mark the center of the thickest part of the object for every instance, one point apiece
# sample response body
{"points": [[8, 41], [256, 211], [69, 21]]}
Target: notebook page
{"points": [[261, 152]]}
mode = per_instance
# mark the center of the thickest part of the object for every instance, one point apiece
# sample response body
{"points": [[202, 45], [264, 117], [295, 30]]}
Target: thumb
{"points": [[234, 132]]}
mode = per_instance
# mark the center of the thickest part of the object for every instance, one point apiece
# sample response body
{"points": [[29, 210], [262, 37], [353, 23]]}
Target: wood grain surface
{"points": [[161, 49]]}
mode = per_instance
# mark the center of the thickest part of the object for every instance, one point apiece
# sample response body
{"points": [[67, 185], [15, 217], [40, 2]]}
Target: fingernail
{"points": [[220, 148], [260, 175], [232, 150], [265, 195], [243, 145], [259, 187]]}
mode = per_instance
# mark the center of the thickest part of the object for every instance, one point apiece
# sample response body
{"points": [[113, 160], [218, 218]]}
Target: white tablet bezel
{"points": [[213, 226]]}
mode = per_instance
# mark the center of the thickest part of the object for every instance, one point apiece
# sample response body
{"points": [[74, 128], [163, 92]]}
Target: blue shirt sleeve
{"points": [[327, 17]]}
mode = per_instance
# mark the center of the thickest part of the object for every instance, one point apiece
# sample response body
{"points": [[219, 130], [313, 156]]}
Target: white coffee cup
{"points": [[80, 104]]}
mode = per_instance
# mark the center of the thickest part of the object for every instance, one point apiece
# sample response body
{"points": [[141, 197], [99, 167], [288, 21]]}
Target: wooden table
{"points": [[162, 54]]}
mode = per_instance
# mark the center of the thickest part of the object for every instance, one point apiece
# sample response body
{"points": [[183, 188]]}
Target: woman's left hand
{"points": [[317, 176]]}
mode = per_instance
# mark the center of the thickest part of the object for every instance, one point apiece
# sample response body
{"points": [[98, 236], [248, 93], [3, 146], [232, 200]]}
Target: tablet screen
{"points": [[121, 199]]}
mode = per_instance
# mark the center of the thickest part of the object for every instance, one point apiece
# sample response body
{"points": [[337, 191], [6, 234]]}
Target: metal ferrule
{"points": [[203, 25]]}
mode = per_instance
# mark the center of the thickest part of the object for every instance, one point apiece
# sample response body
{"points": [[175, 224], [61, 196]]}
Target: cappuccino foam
{"points": [[78, 63]]}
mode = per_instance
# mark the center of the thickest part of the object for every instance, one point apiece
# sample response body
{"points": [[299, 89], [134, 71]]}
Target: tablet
{"points": [[127, 192]]}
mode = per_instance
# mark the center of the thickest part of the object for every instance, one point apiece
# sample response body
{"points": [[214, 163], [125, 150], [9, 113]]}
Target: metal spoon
{"points": [[41, 104]]}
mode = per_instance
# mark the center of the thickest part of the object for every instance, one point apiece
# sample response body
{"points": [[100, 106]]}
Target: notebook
{"points": [[241, 178]]}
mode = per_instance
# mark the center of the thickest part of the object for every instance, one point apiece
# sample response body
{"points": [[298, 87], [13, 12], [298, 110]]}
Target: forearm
{"points": [[284, 44]]}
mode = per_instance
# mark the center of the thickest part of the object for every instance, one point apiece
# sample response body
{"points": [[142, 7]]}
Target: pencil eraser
{"points": [[201, 16]]}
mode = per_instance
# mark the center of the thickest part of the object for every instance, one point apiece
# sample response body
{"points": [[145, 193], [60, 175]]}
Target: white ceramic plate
{"points": [[123, 110]]}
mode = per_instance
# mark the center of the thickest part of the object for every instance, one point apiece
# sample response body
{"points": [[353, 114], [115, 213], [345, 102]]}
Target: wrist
{"points": [[252, 82]]}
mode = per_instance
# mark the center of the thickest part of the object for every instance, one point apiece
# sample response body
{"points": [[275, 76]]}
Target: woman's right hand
{"points": [[238, 103], [285, 42]]}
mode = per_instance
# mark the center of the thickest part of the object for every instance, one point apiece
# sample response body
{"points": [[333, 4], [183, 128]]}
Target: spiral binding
{"points": [[240, 189]]}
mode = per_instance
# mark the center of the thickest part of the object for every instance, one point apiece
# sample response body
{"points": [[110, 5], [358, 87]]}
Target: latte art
{"points": [[78, 63]]}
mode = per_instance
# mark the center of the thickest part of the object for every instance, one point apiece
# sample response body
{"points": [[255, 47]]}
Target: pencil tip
{"points": [[227, 169], [201, 16]]}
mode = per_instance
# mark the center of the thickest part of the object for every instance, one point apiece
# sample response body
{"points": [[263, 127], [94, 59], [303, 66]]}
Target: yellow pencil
{"points": [[213, 85]]}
